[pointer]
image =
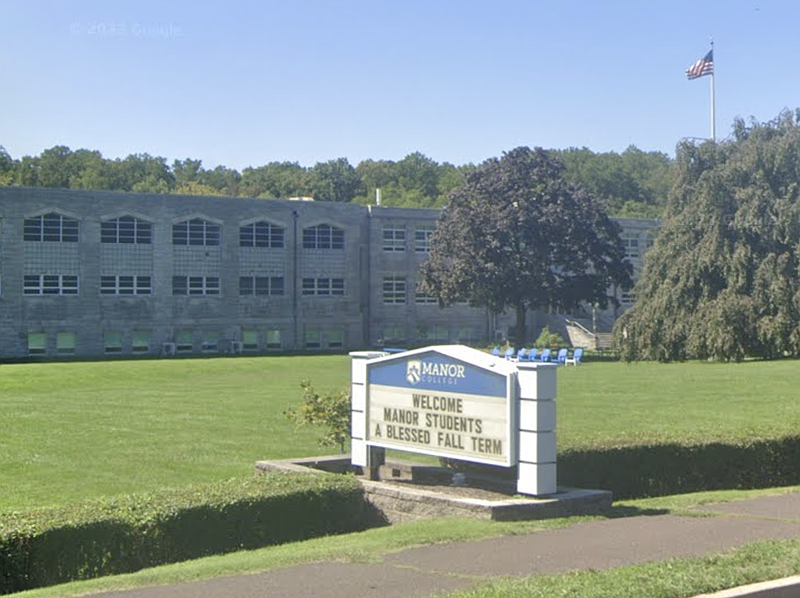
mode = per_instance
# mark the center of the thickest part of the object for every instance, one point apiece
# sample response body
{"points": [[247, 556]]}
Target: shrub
{"points": [[665, 469], [550, 340], [330, 410], [126, 533]]}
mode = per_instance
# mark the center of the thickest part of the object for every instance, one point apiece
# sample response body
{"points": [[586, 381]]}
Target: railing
{"points": [[581, 326]]}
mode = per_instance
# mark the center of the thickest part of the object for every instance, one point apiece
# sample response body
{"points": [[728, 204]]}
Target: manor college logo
{"points": [[439, 373], [413, 373]]}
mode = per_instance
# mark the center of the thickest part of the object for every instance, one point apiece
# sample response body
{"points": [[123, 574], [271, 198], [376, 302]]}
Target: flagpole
{"points": [[713, 120]]}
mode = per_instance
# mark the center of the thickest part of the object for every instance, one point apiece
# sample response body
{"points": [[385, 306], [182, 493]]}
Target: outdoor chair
{"points": [[509, 353], [561, 357], [544, 355], [532, 354], [575, 358]]}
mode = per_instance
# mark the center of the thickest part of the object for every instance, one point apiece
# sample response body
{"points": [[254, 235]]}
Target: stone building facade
{"points": [[96, 273]]}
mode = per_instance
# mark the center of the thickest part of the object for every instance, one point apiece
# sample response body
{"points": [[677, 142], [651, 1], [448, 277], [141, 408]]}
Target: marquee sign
{"points": [[460, 403], [447, 402]]}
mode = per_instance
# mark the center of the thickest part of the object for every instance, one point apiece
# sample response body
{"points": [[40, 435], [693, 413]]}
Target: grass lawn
{"points": [[616, 404], [73, 430]]}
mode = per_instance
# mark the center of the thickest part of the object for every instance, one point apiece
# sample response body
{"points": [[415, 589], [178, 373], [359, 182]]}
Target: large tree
{"points": [[518, 235], [723, 279], [335, 180]]}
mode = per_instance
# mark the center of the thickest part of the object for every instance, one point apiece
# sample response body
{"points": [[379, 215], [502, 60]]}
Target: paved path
{"points": [[599, 544]]}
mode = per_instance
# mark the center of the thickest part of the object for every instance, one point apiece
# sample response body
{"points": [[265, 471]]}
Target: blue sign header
{"points": [[437, 372]]}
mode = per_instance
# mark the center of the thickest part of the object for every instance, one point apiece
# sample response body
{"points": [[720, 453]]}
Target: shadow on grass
{"points": [[623, 511], [666, 469]]}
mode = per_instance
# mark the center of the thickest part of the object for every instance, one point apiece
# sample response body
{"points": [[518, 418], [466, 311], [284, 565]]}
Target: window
{"points": [[125, 285], [65, 343], [323, 287], [49, 284], [312, 338], [261, 285], [249, 340], [467, 335], [631, 244], [126, 229], [140, 341], [422, 298], [195, 285], [394, 238], [37, 343], [627, 297], [393, 333], [438, 334], [394, 290], [261, 234], [53, 228], [335, 338], [112, 342], [210, 341], [273, 339], [323, 236], [195, 232], [422, 239], [184, 341]]}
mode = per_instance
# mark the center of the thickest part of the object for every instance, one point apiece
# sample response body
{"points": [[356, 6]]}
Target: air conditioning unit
{"points": [[236, 347], [168, 349]]}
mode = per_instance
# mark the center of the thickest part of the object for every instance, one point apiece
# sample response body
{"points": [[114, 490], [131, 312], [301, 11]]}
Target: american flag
{"points": [[704, 66]]}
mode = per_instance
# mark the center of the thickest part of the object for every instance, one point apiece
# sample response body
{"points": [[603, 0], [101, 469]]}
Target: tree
{"points": [[335, 180], [6, 167], [518, 235], [723, 279], [275, 180], [633, 184]]}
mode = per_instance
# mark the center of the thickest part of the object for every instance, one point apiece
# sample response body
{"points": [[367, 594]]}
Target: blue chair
{"points": [[532, 354], [544, 355], [561, 357], [496, 351], [522, 354], [509, 353], [575, 358]]}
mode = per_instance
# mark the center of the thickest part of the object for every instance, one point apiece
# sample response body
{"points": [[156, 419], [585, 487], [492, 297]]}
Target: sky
{"points": [[244, 83]]}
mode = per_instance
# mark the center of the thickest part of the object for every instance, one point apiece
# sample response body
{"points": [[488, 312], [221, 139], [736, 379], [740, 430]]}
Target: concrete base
{"points": [[408, 491]]}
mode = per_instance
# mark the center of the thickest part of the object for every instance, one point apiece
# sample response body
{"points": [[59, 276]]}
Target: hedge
{"points": [[123, 534], [665, 469]]}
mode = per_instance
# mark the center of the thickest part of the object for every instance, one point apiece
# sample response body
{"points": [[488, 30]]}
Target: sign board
{"points": [[449, 401]]}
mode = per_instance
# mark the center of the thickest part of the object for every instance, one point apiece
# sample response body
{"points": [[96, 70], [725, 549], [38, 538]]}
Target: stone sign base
{"points": [[406, 491]]}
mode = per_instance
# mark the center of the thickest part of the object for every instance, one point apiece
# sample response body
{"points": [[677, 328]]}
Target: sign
{"points": [[442, 403]]}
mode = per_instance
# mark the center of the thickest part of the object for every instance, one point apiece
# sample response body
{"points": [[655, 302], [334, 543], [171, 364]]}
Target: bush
{"points": [[127, 533], [550, 340], [330, 410], [665, 469]]}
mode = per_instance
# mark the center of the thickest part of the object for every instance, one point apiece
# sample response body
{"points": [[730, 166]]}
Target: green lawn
{"points": [[73, 430], [604, 404]]}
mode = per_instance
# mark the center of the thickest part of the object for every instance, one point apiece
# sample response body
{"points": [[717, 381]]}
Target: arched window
{"points": [[261, 234], [195, 232], [51, 227], [323, 236], [126, 229]]}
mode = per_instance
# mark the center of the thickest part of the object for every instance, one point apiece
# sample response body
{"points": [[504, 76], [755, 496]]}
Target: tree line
{"points": [[633, 183]]}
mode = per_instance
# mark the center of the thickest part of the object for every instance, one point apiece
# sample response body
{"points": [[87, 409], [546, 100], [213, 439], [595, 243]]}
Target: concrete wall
{"points": [[364, 316]]}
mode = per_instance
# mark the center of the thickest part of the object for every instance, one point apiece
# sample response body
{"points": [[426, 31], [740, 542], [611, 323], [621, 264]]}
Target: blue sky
{"points": [[242, 83]]}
